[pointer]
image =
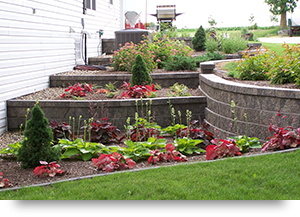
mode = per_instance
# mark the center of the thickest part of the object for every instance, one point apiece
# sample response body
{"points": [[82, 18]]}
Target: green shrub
{"points": [[254, 67], [199, 39], [211, 45], [140, 73], [233, 45], [36, 145], [269, 66], [163, 50], [177, 63], [286, 68]]}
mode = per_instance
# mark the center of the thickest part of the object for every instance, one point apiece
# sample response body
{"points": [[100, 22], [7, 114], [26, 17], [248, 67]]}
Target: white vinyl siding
{"points": [[37, 39]]}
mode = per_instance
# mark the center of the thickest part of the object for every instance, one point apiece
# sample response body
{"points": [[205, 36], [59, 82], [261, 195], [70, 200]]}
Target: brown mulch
{"points": [[223, 75]]}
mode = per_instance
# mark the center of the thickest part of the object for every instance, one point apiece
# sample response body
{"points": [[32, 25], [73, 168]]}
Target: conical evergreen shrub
{"points": [[36, 145], [199, 40], [140, 73]]}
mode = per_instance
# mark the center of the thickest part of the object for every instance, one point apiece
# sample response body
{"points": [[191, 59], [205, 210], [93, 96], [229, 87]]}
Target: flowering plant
{"points": [[154, 53], [123, 58], [78, 90], [46, 169]]}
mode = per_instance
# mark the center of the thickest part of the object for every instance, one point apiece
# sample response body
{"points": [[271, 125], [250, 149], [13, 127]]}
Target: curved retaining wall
{"points": [[261, 104], [116, 110]]}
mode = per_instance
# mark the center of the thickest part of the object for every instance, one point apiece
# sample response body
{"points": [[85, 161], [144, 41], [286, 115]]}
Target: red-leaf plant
{"points": [[169, 155], [111, 162], [46, 169], [283, 138], [103, 131], [61, 131], [78, 90], [136, 91], [4, 182], [222, 149]]}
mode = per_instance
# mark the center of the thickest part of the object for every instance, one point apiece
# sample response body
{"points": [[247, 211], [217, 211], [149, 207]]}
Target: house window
{"points": [[111, 2], [90, 4]]}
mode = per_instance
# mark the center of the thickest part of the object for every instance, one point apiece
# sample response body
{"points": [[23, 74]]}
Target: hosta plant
{"points": [[46, 170], [12, 149], [79, 148], [112, 162], [246, 143], [188, 145], [222, 148], [169, 155], [134, 150]]}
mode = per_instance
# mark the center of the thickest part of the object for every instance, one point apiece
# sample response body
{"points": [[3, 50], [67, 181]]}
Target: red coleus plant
{"points": [[4, 182], [136, 91], [222, 149], [78, 90], [169, 155], [111, 162], [46, 169]]}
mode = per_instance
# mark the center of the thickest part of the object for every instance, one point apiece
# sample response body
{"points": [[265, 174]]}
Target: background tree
{"points": [[280, 7]]}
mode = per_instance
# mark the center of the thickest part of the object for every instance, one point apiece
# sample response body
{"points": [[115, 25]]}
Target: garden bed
{"points": [[101, 78], [259, 100]]}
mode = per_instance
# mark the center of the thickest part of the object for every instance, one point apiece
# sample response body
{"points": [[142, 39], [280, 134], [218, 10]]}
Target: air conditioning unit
{"points": [[130, 35]]}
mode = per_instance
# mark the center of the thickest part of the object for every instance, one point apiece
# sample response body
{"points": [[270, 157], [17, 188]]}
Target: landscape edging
{"points": [[142, 169]]}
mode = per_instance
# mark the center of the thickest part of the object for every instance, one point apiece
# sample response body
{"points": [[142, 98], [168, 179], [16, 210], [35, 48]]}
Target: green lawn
{"points": [[267, 177]]}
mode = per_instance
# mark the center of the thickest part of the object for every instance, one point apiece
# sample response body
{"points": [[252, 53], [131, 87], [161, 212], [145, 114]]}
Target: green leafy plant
{"points": [[199, 39], [188, 146], [12, 149], [134, 150], [79, 148], [246, 143], [233, 44], [36, 145], [179, 90], [177, 63]]}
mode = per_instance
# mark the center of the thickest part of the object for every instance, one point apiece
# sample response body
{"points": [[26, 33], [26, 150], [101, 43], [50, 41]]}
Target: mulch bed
{"points": [[223, 75]]}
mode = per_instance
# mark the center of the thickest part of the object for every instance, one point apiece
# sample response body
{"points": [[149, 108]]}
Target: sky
{"points": [[227, 13]]}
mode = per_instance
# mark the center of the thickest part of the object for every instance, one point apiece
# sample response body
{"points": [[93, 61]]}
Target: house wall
{"points": [[39, 38]]}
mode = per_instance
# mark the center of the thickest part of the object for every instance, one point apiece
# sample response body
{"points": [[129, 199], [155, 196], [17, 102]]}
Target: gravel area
{"points": [[54, 93]]}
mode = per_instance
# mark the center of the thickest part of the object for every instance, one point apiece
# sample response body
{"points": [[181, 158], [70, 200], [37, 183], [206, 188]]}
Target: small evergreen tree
{"points": [[199, 40], [140, 73], [36, 145]]}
